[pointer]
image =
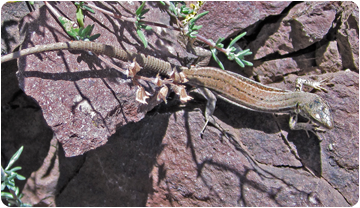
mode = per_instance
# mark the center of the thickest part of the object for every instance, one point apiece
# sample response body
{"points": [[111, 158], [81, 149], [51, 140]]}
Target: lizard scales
{"points": [[232, 87], [148, 62], [255, 96]]}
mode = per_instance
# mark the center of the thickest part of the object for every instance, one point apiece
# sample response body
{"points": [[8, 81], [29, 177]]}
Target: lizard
{"points": [[231, 87]]}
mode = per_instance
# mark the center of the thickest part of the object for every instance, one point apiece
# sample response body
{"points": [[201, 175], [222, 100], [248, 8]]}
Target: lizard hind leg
{"points": [[210, 106], [209, 110]]}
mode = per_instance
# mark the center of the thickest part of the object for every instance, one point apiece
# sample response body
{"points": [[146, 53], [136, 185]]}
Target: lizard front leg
{"points": [[308, 126]]}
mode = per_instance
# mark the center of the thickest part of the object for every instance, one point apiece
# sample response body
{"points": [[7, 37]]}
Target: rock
{"points": [[276, 68], [235, 16], [162, 160], [340, 149], [348, 35], [328, 57], [305, 24], [11, 14], [83, 100], [40, 187]]}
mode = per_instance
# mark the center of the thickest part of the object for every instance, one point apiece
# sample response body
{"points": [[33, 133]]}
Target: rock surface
{"points": [[161, 160], [82, 99]]}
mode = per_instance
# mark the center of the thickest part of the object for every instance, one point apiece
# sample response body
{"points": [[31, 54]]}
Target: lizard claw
{"points": [[309, 126], [318, 84], [314, 128]]}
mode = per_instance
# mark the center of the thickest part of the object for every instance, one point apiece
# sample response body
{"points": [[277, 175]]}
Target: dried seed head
{"points": [[163, 94], [142, 95], [157, 81], [180, 90], [183, 77], [175, 76], [134, 68]]}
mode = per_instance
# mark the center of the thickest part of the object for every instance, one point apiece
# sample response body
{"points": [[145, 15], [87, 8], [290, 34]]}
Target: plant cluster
{"points": [[141, 25], [13, 197], [190, 16], [77, 31], [186, 20]]}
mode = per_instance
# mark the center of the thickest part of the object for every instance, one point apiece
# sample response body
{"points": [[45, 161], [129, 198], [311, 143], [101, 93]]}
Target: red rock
{"points": [[162, 160]]}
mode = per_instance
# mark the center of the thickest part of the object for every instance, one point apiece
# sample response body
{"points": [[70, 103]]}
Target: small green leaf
{"points": [[94, 37], [242, 53], [185, 10], [7, 195], [238, 61], [3, 185], [89, 9], [220, 64], [144, 12], [17, 190], [3, 174], [198, 17], [68, 27], [213, 52], [74, 32], [10, 184], [85, 31], [220, 45], [20, 177], [182, 15], [11, 180], [248, 53], [219, 40], [88, 30], [142, 37], [138, 11], [236, 39], [162, 3], [15, 169], [15, 157], [138, 24], [196, 27], [147, 27], [80, 17], [173, 9], [248, 63], [190, 26], [81, 32], [192, 34]]}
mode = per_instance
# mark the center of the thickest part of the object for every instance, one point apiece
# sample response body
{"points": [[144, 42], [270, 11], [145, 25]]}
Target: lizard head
{"points": [[317, 110]]}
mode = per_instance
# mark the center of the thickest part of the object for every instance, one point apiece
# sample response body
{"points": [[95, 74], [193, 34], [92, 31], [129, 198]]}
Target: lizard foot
{"points": [[311, 83]]}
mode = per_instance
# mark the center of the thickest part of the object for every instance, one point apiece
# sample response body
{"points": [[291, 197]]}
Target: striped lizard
{"points": [[229, 86]]}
